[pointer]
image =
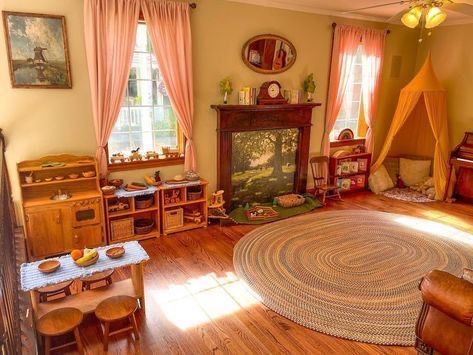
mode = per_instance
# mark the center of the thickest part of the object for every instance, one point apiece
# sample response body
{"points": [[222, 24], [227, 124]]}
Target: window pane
{"points": [[123, 123], [164, 118], [142, 41], [165, 138], [119, 143], [140, 93], [140, 66], [141, 118]]}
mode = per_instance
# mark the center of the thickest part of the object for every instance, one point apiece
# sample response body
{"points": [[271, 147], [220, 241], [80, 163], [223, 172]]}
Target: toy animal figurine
{"points": [[151, 155], [216, 209], [117, 158], [135, 154]]}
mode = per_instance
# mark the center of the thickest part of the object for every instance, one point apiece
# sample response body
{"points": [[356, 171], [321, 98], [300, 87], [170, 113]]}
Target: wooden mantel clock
{"points": [[270, 94]]}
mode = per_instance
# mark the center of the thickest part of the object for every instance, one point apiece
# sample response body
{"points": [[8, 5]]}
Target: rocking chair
{"points": [[319, 166]]}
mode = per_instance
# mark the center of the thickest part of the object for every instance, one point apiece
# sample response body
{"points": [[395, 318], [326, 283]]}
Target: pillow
{"points": [[392, 167], [380, 181], [414, 171]]}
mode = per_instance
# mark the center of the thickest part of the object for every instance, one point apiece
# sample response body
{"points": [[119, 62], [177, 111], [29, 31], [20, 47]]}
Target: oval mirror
{"points": [[268, 54]]}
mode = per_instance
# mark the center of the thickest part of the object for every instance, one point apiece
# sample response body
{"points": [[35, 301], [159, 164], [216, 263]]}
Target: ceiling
{"points": [[339, 8]]}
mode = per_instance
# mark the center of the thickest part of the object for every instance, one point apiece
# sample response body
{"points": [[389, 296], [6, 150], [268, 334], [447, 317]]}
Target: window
{"points": [[146, 118], [349, 114]]}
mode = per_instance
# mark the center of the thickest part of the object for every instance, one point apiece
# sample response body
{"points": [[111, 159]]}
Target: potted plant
{"points": [[226, 89], [309, 87]]}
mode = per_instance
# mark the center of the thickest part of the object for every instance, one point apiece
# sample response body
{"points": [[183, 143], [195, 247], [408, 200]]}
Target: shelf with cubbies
{"points": [[183, 207], [350, 172], [132, 218]]}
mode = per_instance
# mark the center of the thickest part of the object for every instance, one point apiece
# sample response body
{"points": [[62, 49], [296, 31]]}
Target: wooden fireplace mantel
{"points": [[241, 118]]}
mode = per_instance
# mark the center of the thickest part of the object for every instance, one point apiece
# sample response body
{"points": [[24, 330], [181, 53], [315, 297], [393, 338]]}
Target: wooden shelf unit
{"points": [[152, 212], [199, 204], [54, 227], [358, 179]]}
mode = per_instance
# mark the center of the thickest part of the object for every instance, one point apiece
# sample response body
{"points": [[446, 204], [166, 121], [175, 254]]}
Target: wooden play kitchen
{"points": [[62, 204]]}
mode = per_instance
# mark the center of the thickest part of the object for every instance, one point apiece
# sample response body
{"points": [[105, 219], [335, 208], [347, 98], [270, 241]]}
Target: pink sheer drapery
{"points": [[345, 44], [372, 63], [110, 30], [170, 32]]}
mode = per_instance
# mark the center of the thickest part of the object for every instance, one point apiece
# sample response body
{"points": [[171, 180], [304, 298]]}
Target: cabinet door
{"points": [[45, 232], [87, 236]]}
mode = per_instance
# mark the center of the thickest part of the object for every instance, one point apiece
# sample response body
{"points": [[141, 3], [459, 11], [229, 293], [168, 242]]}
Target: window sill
{"points": [[347, 142], [145, 164]]}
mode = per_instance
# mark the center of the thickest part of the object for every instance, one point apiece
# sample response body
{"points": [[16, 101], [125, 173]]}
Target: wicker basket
{"points": [[143, 201], [291, 200], [121, 228], [173, 218], [194, 193], [143, 225]]}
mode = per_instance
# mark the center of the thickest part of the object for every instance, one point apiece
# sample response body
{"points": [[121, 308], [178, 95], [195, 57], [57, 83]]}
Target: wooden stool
{"points": [[114, 309], [63, 288], [59, 322], [105, 276]]}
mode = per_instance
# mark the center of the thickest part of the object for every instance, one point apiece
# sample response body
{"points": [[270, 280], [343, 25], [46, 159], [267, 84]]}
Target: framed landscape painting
{"points": [[37, 50]]}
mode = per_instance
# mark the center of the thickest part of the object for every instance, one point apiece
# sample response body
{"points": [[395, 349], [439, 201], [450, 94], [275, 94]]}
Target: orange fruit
{"points": [[76, 254]]}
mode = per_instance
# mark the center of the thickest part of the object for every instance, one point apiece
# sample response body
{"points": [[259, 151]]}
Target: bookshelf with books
{"points": [[350, 172]]}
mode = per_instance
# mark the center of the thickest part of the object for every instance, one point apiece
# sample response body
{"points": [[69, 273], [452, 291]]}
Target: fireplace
{"points": [[262, 151]]}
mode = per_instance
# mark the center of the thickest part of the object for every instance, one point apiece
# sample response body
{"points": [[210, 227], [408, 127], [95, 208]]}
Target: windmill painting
{"points": [[37, 50]]}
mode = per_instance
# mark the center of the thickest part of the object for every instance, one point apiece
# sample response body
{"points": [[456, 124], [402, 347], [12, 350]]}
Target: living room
{"points": [[289, 208]]}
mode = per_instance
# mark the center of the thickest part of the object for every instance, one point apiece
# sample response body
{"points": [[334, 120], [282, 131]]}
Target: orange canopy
{"points": [[419, 125]]}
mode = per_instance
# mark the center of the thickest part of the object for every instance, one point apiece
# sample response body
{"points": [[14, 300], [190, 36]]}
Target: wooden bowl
{"points": [[73, 176], [115, 252], [59, 177], [90, 262], [108, 190], [49, 266], [48, 179], [116, 182]]}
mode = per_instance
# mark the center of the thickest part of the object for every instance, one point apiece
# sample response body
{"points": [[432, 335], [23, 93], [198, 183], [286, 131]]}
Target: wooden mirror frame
{"points": [[267, 71]]}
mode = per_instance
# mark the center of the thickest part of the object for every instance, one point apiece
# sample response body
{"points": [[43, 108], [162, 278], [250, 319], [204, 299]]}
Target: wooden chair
{"points": [[114, 309], [62, 289], [58, 322], [320, 174], [104, 277]]}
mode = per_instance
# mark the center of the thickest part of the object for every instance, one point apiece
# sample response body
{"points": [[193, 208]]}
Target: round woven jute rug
{"points": [[350, 274]]}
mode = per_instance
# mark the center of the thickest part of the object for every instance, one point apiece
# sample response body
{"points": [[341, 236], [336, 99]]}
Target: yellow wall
{"points": [[39, 121], [452, 58]]}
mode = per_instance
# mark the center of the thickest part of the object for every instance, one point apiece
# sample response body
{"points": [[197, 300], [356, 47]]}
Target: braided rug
{"points": [[350, 274]]}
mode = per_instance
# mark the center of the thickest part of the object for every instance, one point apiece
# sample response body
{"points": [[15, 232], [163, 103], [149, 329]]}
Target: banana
{"points": [[149, 180], [88, 255]]}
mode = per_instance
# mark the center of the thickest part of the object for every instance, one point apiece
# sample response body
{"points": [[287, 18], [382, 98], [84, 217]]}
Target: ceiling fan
{"points": [[426, 13]]}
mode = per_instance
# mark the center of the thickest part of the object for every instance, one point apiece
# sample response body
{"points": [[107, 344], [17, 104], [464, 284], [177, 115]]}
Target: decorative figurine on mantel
{"points": [[226, 89], [309, 87]]}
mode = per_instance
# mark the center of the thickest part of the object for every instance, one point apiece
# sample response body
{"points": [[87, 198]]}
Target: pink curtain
{"points": [[110, 30], [372, 63], [170, 32], [345, 44]]}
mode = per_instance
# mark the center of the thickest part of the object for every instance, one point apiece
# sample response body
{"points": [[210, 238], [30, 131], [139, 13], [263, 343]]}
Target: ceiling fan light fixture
{"points": [[435, 16], [412, 18]]}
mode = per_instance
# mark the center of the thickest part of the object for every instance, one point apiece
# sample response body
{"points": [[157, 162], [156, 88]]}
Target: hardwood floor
{"points": [[196, 305]]}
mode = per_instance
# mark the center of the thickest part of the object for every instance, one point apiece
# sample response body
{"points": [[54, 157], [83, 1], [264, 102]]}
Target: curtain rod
{"points": [[334, 24]]}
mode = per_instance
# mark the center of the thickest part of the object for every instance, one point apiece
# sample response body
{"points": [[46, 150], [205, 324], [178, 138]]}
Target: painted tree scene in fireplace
{"points": [[263, 165]]}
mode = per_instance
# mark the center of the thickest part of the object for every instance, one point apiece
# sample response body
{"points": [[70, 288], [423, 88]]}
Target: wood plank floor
{"points": [[196, 305]]}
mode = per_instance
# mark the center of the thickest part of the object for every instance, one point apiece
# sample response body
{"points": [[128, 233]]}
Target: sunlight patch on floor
{"points": [[203, 299], [436, 228]]}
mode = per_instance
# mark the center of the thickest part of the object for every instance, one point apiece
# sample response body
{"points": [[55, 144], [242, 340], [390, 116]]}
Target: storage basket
{"points": [[173, 218], [194, 193], [121, 228], [143, 225], [143, 201], [291, 200]]}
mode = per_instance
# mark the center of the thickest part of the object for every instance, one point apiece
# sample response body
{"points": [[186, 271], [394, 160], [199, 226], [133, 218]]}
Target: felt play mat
{"points": [[351, 274], [238, 215], [406, 194]]}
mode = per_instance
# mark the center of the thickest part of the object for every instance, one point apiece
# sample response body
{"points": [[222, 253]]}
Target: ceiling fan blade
{"points": [[400, 2], [396, 18], [461, 8]]}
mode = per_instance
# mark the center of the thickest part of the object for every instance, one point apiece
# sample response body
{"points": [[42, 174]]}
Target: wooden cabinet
{"points": [[45, 232], [57, 226]]}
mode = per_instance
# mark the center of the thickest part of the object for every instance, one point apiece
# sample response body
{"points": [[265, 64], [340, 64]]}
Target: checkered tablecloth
{"points": [[32, 278]]}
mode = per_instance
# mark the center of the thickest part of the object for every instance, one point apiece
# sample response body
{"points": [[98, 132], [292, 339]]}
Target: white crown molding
{"points": [[289, 5]]}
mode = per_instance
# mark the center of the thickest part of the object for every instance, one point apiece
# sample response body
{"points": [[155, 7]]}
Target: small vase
{"points": [[225, 98]]}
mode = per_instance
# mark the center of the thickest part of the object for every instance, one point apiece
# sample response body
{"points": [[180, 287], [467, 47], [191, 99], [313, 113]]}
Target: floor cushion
{"points": [[380, 180], [413, 172]]}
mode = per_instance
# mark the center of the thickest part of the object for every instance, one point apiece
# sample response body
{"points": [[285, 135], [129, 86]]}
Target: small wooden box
{"points": [[173, 218], [121, 228]]}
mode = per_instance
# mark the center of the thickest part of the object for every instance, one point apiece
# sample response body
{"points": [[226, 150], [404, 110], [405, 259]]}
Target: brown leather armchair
{"points": [[445, 323]]}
